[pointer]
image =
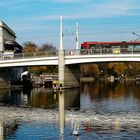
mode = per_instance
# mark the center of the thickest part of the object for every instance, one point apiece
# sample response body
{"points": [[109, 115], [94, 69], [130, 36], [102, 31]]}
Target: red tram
{"points": [[114, 47]]}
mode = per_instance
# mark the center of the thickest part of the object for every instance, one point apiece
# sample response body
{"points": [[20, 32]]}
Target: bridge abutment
{"points": [[61, 66], [69, 75]]}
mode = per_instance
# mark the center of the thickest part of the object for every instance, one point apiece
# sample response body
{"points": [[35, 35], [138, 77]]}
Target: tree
{"points": [[48, 47], [29, 47], [90, 70], [119, 68]]}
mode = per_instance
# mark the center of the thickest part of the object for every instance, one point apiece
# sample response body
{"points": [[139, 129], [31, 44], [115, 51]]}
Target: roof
{"points": [[3, 25], [12, 43]]}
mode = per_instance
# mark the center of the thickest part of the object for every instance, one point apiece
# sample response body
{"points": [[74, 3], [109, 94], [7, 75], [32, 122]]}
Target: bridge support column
{"points": [[69, 75], [61, 66]]}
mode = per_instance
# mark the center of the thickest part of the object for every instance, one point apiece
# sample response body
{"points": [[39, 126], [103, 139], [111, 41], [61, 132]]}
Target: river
{"points": [[99, 110]]}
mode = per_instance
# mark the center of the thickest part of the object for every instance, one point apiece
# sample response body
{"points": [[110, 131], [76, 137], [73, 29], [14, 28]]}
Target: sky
{"points": [[38, 21]]}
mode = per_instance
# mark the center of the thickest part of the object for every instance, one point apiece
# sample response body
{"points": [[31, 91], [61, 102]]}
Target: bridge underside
{"points": [[9, 76]]}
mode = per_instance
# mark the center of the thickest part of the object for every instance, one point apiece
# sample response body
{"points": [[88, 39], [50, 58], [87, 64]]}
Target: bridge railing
{"points": [[103, 51], [11, 55]]}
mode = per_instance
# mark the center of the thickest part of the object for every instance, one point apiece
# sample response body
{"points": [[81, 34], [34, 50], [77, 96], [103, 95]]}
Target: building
{"points": [[6, 34], [8, 44]]}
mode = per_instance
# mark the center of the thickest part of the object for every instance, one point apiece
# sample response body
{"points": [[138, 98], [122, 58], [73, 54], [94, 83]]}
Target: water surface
{"points": [[100, 110]]}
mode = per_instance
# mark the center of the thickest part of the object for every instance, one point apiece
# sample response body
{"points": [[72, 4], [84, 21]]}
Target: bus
{"points": [[111, 47]]}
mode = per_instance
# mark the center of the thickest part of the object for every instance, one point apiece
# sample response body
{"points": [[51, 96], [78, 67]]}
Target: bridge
{"points": [[70, 57], [70, 60]]}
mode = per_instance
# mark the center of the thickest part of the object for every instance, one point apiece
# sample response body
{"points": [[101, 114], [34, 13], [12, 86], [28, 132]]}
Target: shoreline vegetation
{"points": [[109, 78], [82, 79]]}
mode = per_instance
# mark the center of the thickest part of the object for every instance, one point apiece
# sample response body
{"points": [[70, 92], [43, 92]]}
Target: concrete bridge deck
{"points": [[70, 57]]}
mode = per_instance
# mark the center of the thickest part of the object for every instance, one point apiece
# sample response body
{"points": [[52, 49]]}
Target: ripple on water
{"points": [[91, 124]]}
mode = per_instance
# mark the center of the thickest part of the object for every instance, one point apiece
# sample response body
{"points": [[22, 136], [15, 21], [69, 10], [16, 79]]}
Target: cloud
{"points": [[94, 10], [14, 4]]}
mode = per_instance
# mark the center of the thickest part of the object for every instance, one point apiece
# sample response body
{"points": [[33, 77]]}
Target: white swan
{"points": [[76, 129]]}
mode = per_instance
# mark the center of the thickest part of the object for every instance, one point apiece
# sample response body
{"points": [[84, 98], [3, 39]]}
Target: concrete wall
{"points": [[5, 34], [71, 76]]}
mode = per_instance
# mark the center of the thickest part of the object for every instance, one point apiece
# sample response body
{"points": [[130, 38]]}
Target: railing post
{"points": [[34, 54], [46, 53], [100, 50]]}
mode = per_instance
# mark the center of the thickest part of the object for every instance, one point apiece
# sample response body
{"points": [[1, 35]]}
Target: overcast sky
{"points": [[99, 20]]}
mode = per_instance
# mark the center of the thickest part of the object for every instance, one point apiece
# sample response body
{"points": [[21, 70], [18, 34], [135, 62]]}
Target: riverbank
{"points": [[109, 78]]}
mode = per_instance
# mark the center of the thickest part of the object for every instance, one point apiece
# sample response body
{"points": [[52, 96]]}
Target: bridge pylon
{"points": [[69, 76]]}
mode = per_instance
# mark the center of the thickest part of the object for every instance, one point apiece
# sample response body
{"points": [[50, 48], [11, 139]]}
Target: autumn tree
{"points": [[90, 70], [133, 68], [29, 47], [32, 47], [119, 68]]}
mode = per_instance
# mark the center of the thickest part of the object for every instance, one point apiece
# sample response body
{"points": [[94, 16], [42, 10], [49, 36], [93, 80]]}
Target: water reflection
{"points": [[1, 130], [102, 110], [61, 112], [111, 97], [41, 97], [66, 101], [100, 90]]}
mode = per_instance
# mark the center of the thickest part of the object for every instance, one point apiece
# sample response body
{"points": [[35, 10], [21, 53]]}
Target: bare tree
{"points": [[48, 47], [29, 47]]}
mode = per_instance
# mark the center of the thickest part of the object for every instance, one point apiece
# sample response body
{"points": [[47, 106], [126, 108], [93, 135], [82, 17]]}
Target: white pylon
{"points": [[61, 34], [77, 36]]}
